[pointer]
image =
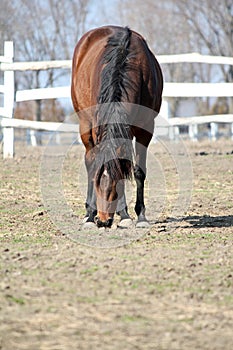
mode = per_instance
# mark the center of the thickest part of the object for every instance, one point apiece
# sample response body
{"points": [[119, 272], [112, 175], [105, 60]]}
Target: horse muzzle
{"points": [[105, 224]]}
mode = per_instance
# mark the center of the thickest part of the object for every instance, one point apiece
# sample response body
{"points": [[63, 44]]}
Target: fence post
{"points": [[173, 132], [213, 131], [8, 133], [193, 131]]}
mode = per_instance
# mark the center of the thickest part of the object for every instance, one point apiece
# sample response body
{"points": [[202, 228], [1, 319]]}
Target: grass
{"points": [[17, 300], [89, 271], [133, 318], [88, 299]]}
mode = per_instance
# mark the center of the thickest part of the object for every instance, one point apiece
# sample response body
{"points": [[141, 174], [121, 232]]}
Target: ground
{"points": [[169, 288]]}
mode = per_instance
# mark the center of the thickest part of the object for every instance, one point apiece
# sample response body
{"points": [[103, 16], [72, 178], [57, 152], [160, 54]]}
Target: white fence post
{"points": [[213, 131], [193, 132], [8, 133], [33, 138]]}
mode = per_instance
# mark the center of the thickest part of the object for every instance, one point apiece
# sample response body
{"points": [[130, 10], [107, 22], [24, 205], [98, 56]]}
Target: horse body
{"points": [[114, 72]]}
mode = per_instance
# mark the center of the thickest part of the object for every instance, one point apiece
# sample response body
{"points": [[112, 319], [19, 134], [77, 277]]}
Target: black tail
{"points": [[113, 132]]}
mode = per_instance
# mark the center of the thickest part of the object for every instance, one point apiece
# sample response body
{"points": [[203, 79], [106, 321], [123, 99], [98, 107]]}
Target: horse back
{"points": [[144, 77]]}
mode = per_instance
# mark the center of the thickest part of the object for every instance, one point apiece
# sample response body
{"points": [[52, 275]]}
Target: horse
{"points": [[114, 73]]}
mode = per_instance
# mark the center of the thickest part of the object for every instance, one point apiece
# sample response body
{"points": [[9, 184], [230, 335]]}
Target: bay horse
{"points": [[113, 72]]}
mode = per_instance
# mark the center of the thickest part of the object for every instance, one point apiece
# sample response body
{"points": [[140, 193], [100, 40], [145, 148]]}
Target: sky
{"points": [[102, 13]]}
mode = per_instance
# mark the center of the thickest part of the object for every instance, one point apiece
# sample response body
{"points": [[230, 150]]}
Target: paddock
{"points": [[170, 288], [167, 287]]}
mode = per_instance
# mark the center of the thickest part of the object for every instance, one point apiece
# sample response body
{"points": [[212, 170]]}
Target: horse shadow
{"points": [[204, 221], [211, 221]]}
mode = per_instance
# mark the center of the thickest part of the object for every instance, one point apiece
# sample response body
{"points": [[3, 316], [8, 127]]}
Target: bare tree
{"points": [[179, 26], [43, 30], [166, 32], [211, 21], [6, 12]]}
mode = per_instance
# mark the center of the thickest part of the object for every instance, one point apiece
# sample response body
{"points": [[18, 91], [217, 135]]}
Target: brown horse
{"points": [[114, 73]]}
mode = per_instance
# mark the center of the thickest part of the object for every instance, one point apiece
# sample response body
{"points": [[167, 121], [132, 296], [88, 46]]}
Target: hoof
{"points": [[88, 225], [125, 223], [85, 219], [142, 224], [114, 227]]}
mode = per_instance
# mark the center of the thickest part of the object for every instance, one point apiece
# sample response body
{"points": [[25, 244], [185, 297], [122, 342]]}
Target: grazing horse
{"points": [[114, 73]]}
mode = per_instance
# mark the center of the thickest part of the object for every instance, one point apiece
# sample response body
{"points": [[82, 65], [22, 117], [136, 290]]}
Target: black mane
{"points": [[113, 132], [113, 77]]}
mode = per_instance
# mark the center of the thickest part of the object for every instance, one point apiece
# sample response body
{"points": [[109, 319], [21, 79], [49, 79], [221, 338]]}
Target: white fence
{"points": [[8, 123], [8, 100]]}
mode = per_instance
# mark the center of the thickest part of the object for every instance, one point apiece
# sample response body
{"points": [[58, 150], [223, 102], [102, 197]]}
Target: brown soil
{"points": [[171, 287]]}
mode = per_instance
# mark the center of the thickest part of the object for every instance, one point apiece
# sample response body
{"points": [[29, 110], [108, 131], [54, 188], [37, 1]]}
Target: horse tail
{"points": [[112, 117]]}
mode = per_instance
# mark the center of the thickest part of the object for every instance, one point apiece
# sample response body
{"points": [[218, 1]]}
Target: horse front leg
{"points": [[122, 209], [140, 175], [90, 204]]}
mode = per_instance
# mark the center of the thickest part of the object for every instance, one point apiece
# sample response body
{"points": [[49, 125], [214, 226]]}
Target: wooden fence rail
{"points": [[69, 127], [170, 90], [6, 64], [171, 125]]}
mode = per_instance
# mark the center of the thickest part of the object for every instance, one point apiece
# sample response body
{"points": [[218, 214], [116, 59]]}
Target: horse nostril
{"points": [[109, 222], [98, 222]]}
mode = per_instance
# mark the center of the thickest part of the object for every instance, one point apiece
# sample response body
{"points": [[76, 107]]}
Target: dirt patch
{"points": [[170, 288]]}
